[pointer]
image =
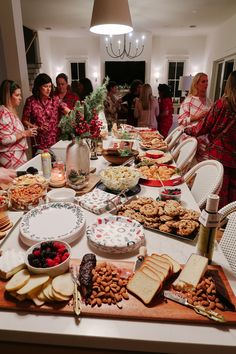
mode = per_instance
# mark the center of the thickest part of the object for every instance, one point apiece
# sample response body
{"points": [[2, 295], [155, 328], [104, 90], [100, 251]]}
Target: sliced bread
{"points": [[176, 265], [166, 261], [155, 268], [165, 267], [152, 273], [143, 286]]}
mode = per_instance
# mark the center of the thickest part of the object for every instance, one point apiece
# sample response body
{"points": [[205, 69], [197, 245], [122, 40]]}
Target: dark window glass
{"points": [[82, 70], [175, 70], [74, 71]]}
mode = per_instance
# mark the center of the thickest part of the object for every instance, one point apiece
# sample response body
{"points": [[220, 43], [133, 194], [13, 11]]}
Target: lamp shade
{"points": [[185, 83], [111, 17]]}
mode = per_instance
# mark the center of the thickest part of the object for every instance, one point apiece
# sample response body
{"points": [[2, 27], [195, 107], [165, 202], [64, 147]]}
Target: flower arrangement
{"points": [[83, 121]]}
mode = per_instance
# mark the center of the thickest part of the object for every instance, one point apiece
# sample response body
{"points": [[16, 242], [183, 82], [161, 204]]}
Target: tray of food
{"points": [[169, 217], [159, 175], [112, 289]]}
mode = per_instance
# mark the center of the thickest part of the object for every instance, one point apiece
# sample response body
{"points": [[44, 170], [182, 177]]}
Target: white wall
{"points": [[56, 54], [190, 49]]}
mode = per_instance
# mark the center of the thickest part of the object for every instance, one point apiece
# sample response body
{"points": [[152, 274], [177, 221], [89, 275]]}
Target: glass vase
{"points": [[77, 160]]}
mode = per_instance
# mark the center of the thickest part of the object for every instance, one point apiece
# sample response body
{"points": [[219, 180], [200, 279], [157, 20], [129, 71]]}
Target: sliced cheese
{"points": [[18, 280], [193, 271], [63, 284], [34, 282]]}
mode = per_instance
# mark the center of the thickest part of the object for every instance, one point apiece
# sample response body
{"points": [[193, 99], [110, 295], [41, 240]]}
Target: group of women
{"points": [[212, 124], [143, 109]]}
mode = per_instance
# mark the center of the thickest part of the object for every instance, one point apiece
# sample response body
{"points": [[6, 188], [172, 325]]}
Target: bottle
{"points": [[46, 163], [209, 220]]}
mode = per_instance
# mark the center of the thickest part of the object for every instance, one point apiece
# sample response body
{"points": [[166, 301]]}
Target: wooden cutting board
{"points": [[132, 309]]}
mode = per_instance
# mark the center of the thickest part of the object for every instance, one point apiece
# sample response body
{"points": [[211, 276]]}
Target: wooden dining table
{"points": [[53, 333]]}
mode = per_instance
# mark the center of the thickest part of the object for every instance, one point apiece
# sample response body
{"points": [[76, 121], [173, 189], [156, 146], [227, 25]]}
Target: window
{"points": [[77, 71], [222, 70], [175, 70]]}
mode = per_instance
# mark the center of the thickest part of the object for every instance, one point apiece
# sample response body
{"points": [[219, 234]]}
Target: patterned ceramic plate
{"points": [[116, 234], [62, 221]]}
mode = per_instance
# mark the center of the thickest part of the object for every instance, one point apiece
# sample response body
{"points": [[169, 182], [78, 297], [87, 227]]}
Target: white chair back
{"points": [[226, 211], [208, 177], [228, 242], [184, 153], [173, 138]]}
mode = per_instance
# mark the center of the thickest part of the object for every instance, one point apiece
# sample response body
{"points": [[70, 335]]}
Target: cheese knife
{"points": [[140, 258], [200, 310]]}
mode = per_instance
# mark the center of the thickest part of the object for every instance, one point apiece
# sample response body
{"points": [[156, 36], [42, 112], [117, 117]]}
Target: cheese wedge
{"points": [[11, 262], [193, 271], [34, 282]]}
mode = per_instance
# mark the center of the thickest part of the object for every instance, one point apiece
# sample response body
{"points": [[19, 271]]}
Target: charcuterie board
{"points": [[132, 309]]}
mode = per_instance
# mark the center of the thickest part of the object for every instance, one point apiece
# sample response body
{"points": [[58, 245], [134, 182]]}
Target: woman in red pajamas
{"points": [[165, 118], [220, 125]]}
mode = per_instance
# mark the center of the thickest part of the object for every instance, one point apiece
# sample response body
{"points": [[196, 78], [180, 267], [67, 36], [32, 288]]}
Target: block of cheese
{"points": [[192, 272], [11, 262]]}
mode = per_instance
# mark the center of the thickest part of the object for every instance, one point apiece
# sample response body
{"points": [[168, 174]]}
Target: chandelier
{"points": [[124, 48]]}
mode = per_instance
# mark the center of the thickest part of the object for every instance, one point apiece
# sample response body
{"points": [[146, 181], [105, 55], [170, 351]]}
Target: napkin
{"points": [[98, 201]]}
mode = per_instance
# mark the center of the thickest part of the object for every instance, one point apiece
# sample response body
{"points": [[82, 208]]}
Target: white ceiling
{"points": [[159, 17]]}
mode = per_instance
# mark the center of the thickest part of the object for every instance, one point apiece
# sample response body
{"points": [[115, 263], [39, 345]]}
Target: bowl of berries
{"points": [[48, 257], [170, 194]]}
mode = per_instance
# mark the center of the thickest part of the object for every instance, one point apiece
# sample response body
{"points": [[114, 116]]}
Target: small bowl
{"points": [[154, 154], [116, 159], [52, 271], [61, 195], [170, 194]]}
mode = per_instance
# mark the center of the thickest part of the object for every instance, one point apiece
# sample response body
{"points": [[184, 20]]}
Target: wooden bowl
{"points": [[116, 159]]}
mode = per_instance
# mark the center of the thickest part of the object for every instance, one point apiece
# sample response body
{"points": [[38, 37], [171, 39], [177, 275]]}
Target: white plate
{"points": [[59, 220], [116, 234]]}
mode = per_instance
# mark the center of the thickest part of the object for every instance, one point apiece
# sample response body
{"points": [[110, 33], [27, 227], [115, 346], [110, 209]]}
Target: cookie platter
{"points": [[168, 218]]}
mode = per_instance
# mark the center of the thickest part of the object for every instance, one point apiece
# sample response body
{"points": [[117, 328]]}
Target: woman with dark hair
{"points": [[13, 143], [63, 91], [130, 97], [85, 87], [220, 125], [111, 104], [165, 118], [42, 110]]}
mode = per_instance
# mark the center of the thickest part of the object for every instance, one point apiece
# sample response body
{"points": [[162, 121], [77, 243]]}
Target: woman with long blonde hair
{"points": [[146, 108], [194, 108], [220, 125]]}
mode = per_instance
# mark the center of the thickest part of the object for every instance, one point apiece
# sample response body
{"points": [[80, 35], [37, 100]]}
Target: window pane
{"points": [[74, 71], [180, 69], [82, 70], [171, 73]]}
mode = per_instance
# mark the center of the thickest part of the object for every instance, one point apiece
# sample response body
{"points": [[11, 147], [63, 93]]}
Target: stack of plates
{"points": [[116, 234], [59, 220]]}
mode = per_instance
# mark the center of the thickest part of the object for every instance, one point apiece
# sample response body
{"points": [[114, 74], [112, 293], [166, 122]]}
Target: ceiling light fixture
{"points": [[111, 17], [124, 48]]}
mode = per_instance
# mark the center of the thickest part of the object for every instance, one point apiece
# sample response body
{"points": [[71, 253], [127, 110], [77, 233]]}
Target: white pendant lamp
{"points": [[111, 17]]}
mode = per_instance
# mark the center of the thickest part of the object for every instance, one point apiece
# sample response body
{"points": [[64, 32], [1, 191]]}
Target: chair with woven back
{"points": [[173, 138], [205, 178], [228, 240], [184, 153]]}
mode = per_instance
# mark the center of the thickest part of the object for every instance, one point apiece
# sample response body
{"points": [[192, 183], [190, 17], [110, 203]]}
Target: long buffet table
{"points": [[119, 335]]}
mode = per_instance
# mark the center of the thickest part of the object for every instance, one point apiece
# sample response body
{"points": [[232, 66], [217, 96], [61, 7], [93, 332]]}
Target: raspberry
{"points": [[37, 253], [61, 249], [57, 259], [50, 262], [57, 245], [65, 256]]}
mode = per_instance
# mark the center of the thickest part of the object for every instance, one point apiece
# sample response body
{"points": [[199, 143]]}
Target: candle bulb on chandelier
{"points": [[143, 37], [106, 41], [119, 42], [136, 43]]}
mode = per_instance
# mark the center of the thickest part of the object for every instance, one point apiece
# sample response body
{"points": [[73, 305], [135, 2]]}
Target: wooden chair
{"points": [[184, 153], [207, 177]]}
